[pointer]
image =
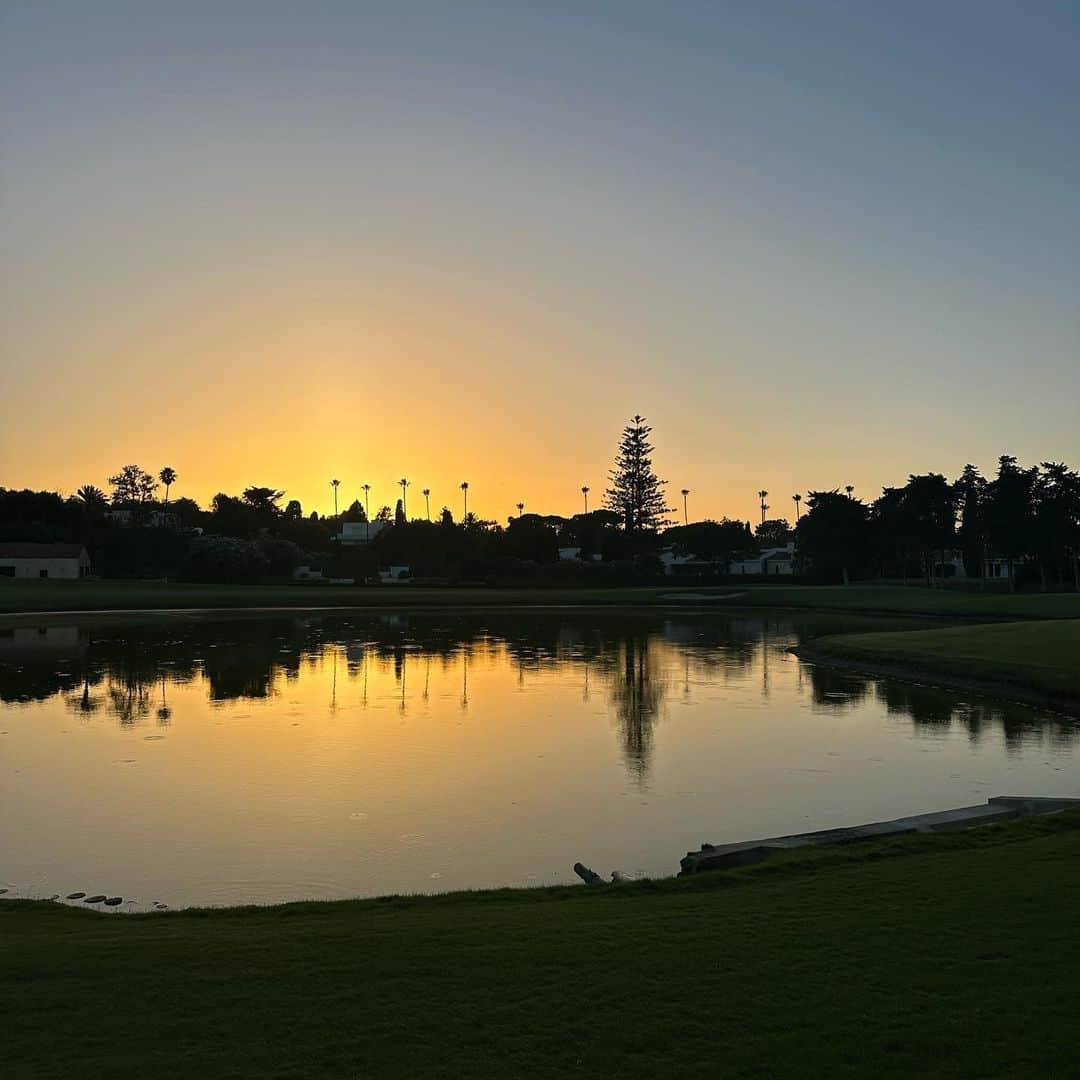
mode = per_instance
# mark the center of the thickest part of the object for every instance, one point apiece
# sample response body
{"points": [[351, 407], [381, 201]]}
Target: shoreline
{"points": [[695, 607], [22, 600], [670, 976], [927, 674], [874, 841]]}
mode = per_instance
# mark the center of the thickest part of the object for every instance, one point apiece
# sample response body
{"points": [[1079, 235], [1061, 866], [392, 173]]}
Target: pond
{"points": [[219, 760]]}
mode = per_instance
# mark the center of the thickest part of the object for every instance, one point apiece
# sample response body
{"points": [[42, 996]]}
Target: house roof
{"points": [[41, 551]]}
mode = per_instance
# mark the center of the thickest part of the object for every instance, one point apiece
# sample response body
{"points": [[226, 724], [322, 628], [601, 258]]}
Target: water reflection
{"points": [[236, 759], [125, 671]]}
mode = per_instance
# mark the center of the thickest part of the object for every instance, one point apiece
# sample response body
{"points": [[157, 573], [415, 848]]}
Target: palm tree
{"points": [[366, 489], [685, 512], [521, 508], [796, 498], [404, 484], [93, 496], [168, 477], [335, 484], [585, 492], [849, 489], [763, 495], [465, 491], [427, 501]]}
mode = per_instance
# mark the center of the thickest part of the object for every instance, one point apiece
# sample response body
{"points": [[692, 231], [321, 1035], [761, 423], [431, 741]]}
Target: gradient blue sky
{"points": [[815, 243]]}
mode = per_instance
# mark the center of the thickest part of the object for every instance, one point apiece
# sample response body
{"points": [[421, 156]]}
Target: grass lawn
{"points": [[16, 596], [941, 955], [1040, 656]]}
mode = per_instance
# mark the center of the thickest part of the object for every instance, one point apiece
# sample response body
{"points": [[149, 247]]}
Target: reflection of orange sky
{"points": [[365, 773]]}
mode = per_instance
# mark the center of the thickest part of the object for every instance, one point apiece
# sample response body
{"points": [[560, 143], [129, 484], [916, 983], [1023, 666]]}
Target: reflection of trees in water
{"points": [[932, 710], [125, 670], [836, 689], [637, 692]]}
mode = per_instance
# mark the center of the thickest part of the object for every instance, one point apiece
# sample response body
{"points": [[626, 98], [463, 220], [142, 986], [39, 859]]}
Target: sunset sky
{"points": [[814, 243]]}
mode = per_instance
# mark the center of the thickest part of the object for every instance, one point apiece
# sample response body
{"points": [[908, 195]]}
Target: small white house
{"points": [[672, 561], [64, 561], [360, 532], [769, 562]]}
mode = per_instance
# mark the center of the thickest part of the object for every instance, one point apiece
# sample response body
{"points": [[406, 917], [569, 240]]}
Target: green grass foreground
{"points": [[944, 955], [1043, 657], [46, 596]]}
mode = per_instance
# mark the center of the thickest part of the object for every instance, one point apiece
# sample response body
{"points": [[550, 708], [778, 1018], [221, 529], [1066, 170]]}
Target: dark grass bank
{"points": [[943, 955]]}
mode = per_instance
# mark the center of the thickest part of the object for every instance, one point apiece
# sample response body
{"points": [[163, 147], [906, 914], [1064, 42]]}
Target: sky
{"points": [[815, 244]]}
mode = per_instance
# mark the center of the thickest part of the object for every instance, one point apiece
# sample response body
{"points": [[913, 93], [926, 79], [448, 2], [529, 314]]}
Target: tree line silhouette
{"points": [[1021, 525]]}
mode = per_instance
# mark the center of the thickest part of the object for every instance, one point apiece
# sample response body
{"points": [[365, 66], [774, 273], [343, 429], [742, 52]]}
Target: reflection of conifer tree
{"points": [[636, 693]]}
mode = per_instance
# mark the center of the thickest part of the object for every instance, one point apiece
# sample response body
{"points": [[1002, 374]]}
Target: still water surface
{"points": [[256, 759]]}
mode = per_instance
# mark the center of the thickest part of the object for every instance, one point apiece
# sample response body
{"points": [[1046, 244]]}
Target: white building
{"points": [[65, 561], [675, 562], [769, 562], [359, 532]]}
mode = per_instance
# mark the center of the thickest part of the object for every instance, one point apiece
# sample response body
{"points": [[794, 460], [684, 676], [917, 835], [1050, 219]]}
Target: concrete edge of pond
{"points": [[998, 808], [932, 677]]}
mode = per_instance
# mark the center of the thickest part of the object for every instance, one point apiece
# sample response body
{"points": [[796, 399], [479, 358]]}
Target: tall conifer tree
{"points": [[636, 493]]}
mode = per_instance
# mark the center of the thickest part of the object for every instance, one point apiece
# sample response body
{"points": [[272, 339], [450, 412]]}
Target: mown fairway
{"points": [[1040, 656]]}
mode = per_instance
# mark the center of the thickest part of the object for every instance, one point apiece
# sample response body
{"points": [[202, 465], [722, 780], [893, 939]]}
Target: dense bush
{"points": [[281, 556], [223, 560]]}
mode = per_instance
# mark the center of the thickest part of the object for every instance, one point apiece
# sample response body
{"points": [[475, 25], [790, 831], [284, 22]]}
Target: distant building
{"points": [[574, 554], [395, 575], [769, 562], [675, 562], [950, 564], [65, 561], [359, 532]]}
